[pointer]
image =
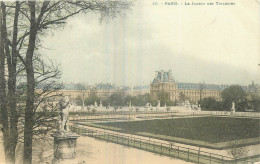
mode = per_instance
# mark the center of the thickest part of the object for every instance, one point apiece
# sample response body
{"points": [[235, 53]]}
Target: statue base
{"points": [[64, 147]]}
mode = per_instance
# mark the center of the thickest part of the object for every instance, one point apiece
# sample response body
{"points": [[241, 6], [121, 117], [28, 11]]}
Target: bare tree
{"points": [[9, 50], [4, 114], [33, 19], [202, 88]]}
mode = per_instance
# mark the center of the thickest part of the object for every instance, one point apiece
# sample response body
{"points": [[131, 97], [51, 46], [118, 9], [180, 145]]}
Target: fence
{"points": [[125, 115], [184, 153]]}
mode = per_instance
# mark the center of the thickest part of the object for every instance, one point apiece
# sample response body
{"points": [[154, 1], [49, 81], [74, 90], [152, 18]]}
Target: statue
{"points": [[199, 108], [64, 114], [233, 109], [130, 105], [100, 105], [64, 140], [187, 104], [95, 104], [158, 104]]}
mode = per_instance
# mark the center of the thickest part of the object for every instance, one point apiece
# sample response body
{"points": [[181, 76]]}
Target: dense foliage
{"points": [[121, 99], [243, 100]]}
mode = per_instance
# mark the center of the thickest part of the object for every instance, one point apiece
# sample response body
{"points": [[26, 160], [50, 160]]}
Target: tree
{"points": [[163, 97], [4, 114], [234, 93], [78, 100], [117, 99], [202, 87], [182, 97], [210, 103], [33, 19], [253, 97], [254, 102], [9, 51], [92, 99]]}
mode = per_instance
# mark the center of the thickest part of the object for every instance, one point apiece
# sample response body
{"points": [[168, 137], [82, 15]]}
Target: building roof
{"points": [[203, 86], [163, 76], [140, 87], [208, 86], [104, 86]]}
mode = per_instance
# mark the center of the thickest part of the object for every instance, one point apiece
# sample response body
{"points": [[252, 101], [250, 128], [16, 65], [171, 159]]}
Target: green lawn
{"points": [[207, 129]]}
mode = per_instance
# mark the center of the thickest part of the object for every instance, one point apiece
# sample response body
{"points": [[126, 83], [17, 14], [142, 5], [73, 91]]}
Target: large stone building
{"points": [[164, 82]]}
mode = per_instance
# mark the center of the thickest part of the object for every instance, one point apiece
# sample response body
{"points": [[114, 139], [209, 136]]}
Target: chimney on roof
{"points": [[162, 73], [156, 74]]}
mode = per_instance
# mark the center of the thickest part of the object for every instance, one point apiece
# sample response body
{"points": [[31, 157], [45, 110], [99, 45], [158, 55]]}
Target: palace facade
{"points": [[164, 82]]}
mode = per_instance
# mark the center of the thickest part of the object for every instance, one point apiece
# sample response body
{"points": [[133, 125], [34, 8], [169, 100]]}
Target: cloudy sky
{"points": [[214, 44]]}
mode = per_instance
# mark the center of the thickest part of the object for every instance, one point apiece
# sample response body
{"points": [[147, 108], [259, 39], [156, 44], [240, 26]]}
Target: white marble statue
{"points": [[199, 108], [158, 104], [233, 109], [95, 104], [64, 114], [100, 105]]}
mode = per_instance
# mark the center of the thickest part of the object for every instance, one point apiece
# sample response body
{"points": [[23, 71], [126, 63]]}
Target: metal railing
{"points": [[171, 150]]}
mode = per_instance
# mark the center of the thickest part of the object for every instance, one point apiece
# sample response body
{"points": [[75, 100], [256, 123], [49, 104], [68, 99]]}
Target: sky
{"points": [[216, 44]]}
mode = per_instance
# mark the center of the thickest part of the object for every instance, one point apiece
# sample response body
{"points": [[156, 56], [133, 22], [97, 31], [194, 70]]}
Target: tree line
{"points": [[121, 99], [243, 100]]}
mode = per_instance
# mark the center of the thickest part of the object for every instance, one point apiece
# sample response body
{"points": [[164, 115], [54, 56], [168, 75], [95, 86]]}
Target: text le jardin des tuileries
{"points": [[183, 3]]}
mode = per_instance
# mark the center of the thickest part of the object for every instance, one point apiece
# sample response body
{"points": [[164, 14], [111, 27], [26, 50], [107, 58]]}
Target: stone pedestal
{"points": [[132, 116], [64, 147]]}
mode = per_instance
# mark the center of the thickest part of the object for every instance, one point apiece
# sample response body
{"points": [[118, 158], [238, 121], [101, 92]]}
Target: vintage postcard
{"points": [[130, 82]]}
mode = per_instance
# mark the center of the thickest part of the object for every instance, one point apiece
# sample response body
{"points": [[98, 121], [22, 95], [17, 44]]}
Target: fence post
{"points": [[128, 140], [222, 160], [188, 153], [117, 138], [199, 156], [178, 151], [161, 148], [140, 143], [170, 149], [134, 141], [210, 158]]}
